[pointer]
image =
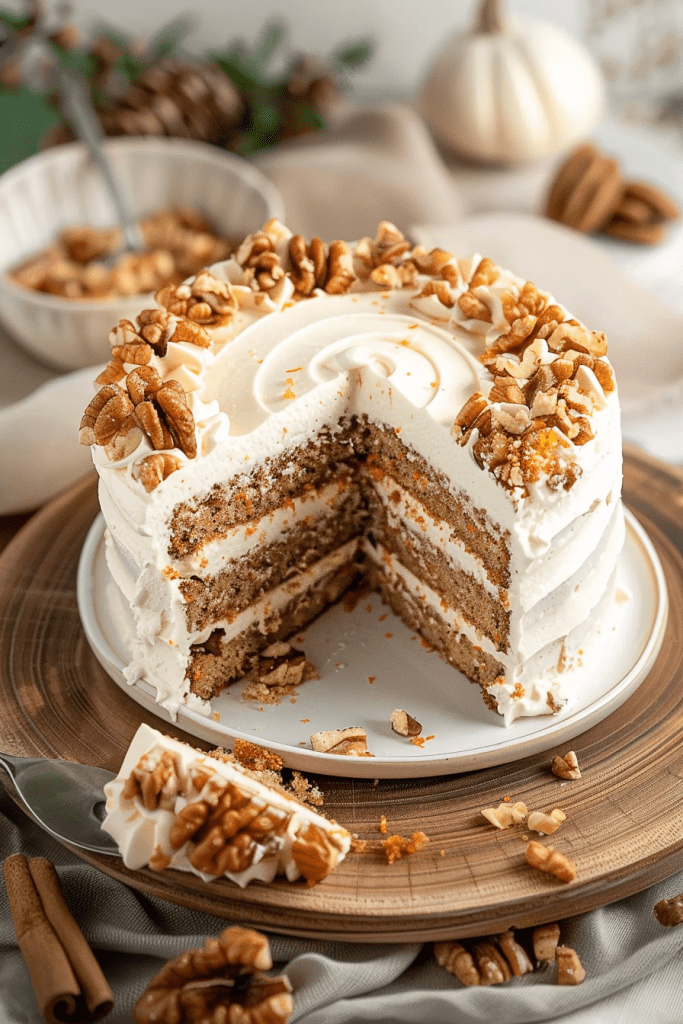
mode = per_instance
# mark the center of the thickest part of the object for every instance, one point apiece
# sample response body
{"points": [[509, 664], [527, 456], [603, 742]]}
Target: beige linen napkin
{"points": [[378, 163]]}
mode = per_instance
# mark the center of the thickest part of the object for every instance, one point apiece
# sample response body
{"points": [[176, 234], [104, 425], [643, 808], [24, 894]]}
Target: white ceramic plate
{"points": [[370, 663]]}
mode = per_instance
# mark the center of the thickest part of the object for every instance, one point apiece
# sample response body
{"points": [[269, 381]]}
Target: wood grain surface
{"points": [[624, 827]]}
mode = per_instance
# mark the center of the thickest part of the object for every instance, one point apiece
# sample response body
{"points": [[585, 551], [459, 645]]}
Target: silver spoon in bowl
{"points": [[64, 798], [79, 112]]}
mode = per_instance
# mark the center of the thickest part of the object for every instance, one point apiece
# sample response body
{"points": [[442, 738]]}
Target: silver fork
{"points": [[64, 798]]}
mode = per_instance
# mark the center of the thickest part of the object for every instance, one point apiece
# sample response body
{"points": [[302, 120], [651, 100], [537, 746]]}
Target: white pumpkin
{"points": [[511, 90]]}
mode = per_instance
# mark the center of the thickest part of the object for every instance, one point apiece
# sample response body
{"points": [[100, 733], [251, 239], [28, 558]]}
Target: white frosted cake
{"points": [[302, 417], [172, 806]]}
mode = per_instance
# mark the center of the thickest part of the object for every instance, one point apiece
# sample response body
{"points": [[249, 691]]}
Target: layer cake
{"points": [[302, 417]]}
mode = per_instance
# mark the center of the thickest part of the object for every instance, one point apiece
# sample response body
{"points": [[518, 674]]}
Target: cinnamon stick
{"points": [[66, 977]]}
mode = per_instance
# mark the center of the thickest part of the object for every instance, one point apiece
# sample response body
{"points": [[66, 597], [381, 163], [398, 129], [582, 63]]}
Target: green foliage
{"points": [[25, 117], [271, 109]]}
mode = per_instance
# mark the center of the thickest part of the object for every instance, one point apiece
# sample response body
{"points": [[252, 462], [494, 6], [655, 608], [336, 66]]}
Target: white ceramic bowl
{"points": [[61, 187]]}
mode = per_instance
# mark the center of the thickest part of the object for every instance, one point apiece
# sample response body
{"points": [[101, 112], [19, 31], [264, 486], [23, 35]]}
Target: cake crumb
{"points": [[419, 741], [442, 853], [215, 716], [304, 719], [396, 847], [278, 670], [371, 679], [358, 845], [256, 758], [375, 782], [305, 790], [383, 824]]}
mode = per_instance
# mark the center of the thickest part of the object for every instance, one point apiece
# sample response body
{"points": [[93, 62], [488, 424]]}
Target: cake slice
{"points": [[172, 806]]}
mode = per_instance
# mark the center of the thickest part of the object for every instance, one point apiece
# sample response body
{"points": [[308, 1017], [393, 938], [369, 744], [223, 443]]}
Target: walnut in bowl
{"points": [[60, 188]]}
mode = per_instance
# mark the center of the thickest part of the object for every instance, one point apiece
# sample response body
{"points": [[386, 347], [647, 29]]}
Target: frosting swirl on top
{"points": [[488, 356]]}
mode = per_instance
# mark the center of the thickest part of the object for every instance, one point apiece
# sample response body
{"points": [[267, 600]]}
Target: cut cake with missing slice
{"points": [[303, 416]]}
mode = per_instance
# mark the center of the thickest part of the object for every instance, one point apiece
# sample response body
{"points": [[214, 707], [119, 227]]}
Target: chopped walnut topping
{"points": [[396, 847], [404, 724], [389, 246], [108, 414], [205, 300], [226, 830], [340, 275], [570, 970], [261, 264], [505, 815], [217, 983], [566, 767], [154, 781], [154, 468], [538, 821], [546, 858], [436, 262], [308, 268], [669, 912], [352, 741], [315, 852], [544, 939], [440, 289], [389, 276]]}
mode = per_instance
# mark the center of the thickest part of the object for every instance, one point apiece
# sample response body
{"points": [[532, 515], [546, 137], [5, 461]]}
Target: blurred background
{"points": [[374, 50]]}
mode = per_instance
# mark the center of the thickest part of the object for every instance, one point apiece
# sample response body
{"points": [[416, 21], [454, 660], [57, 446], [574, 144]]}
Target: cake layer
{"points": [[222, 658], [320, 524]]}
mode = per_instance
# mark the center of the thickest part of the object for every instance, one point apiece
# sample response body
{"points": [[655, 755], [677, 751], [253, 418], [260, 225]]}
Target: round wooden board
{"points": [[624, 827]]}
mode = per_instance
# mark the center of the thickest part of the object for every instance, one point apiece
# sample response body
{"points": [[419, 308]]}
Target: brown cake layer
{"points": [[387, 456], [456, 648], [458, 588], [222, 596], [276, 481], [355, 444], [215, 664]]}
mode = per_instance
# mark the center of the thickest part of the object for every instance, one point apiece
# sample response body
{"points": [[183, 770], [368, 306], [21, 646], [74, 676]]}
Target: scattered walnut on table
{"points": [[505, 815], [570, 970], [491, 961], [566, 767], [669, 912], [550, 860], [545, 939], [539, 821]]}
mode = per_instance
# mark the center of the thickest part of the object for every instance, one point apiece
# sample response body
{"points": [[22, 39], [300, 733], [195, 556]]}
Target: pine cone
{"points": [[178, 98], [174, 97]]}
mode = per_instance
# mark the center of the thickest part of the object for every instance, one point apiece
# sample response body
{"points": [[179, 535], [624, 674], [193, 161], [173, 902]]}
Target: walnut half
{"points": [[218, 983]]}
